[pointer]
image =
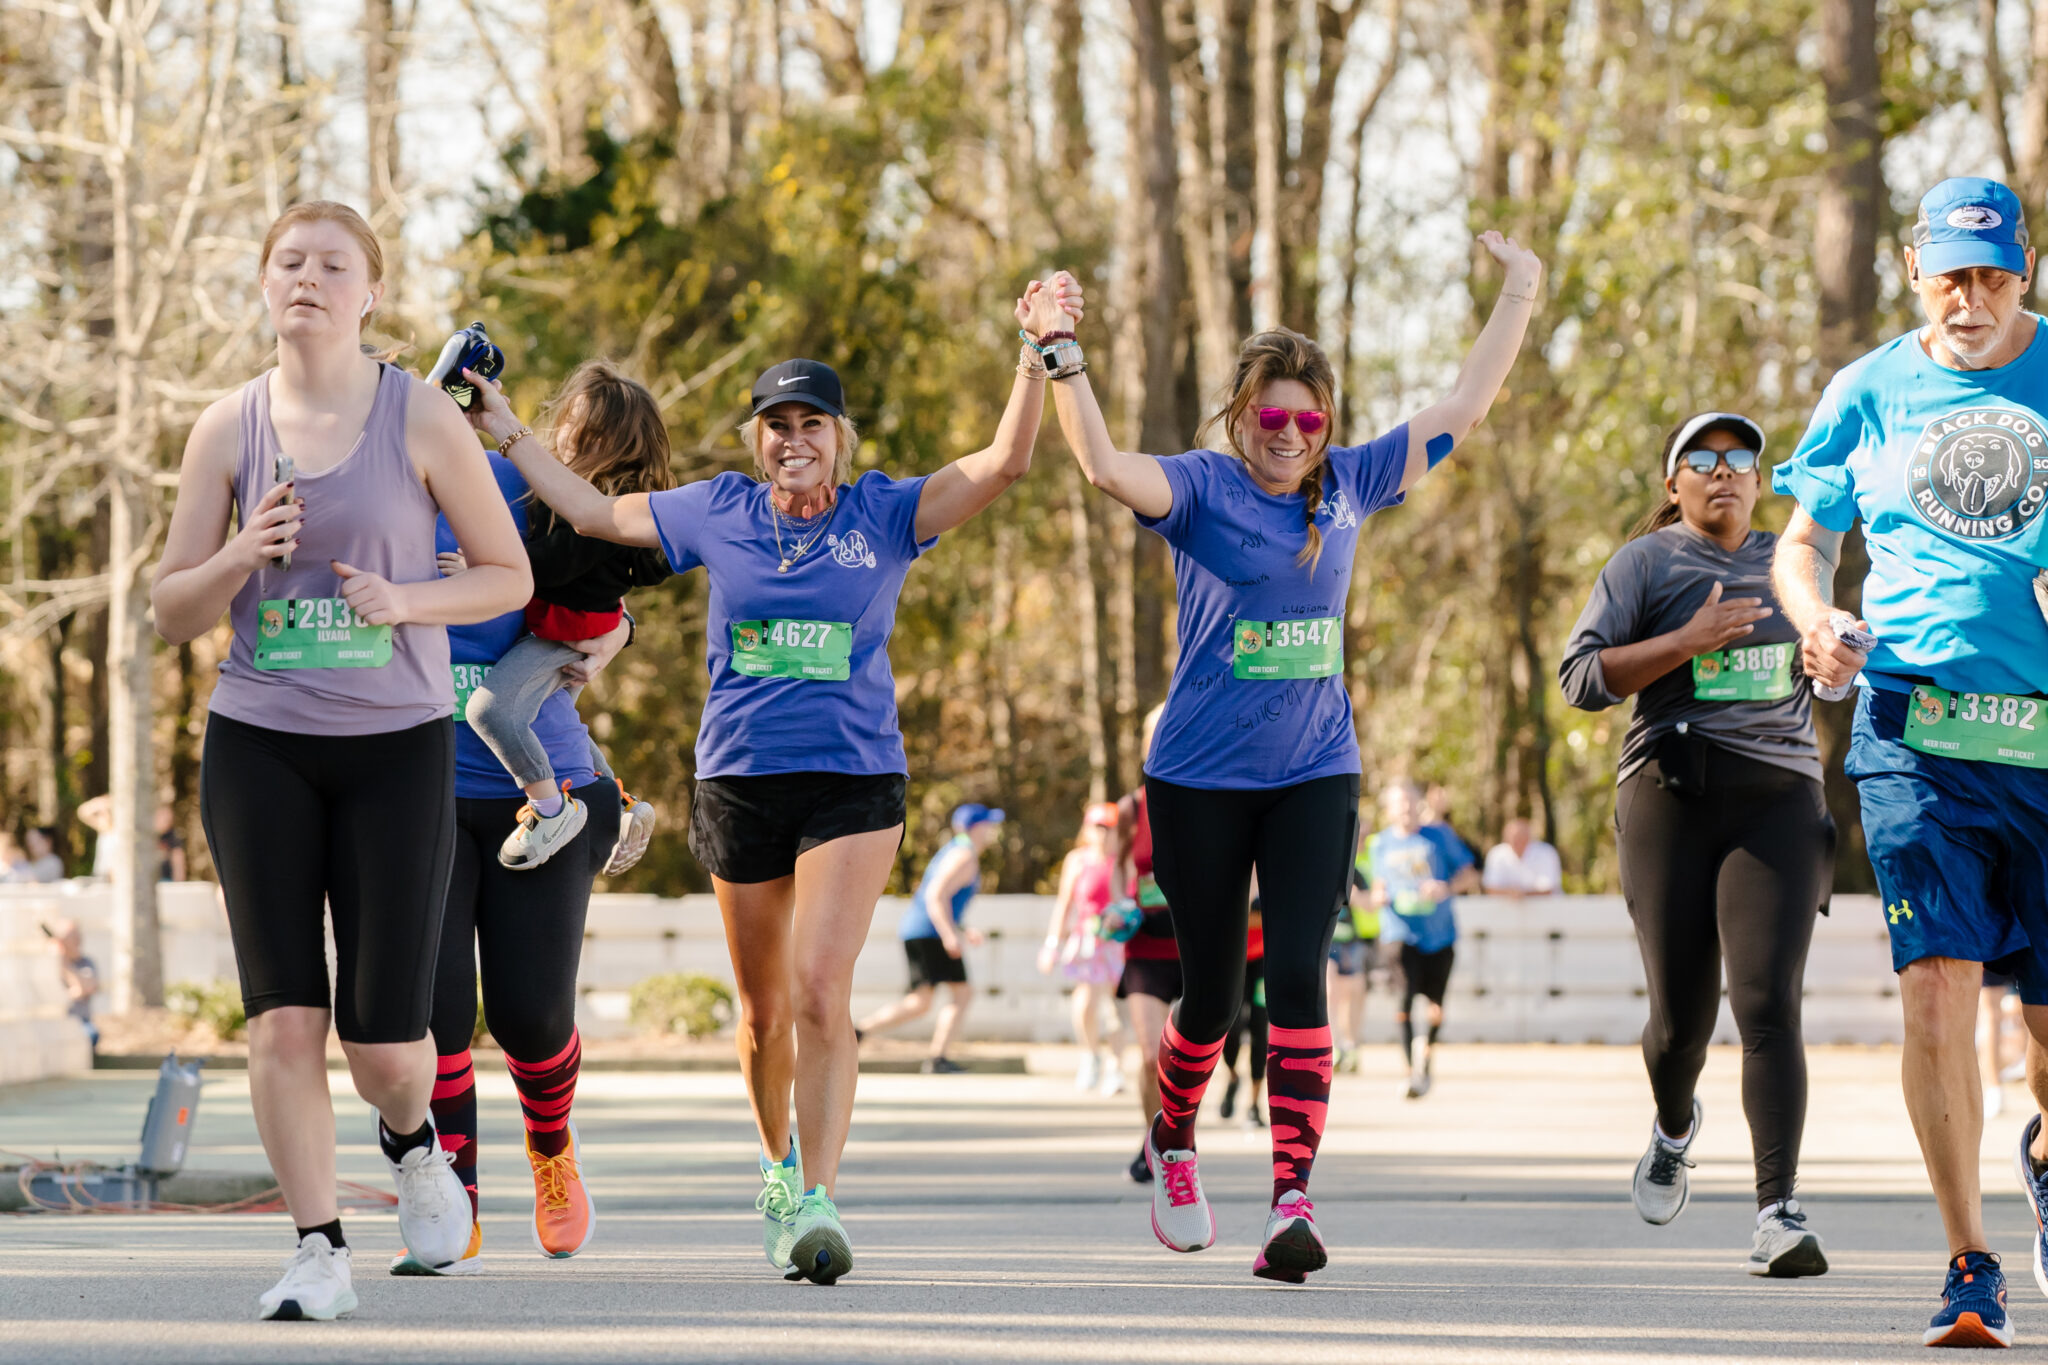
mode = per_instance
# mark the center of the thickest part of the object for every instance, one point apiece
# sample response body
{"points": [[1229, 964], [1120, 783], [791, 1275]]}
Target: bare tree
{"points": [[154, 106]]}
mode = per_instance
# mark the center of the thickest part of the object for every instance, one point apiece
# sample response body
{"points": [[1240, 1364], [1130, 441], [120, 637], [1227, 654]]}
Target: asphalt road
{"points": [[992, 1223]]}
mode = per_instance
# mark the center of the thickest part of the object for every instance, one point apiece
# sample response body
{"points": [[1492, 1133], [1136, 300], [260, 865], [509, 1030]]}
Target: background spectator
{"points": [[81, 978], [170, 847], [1521, 864], [13, 862], [43, 864]]}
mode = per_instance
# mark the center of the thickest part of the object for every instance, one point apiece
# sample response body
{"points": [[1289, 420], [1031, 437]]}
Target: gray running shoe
{"points": [[1662, 1187], [1418, 1068], [540, 837], [1786, 1249], [636, 828]]}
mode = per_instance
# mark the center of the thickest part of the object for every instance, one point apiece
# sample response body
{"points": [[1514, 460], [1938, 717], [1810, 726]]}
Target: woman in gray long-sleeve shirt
{"points": [[1725, 841]]}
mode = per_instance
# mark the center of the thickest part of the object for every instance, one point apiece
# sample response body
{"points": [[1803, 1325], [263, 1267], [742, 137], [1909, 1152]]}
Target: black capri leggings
{"points": [[524, 929], [363, 825], [1739, 872], [1204, 846], [1249, 1026]]}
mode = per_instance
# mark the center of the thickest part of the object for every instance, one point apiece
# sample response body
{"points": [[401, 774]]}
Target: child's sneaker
{"points": [[539, 837], [636, 828]]}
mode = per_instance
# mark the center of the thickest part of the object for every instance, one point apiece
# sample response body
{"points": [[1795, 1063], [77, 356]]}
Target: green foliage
{"points": [[687, 1003], [217, 1004]]}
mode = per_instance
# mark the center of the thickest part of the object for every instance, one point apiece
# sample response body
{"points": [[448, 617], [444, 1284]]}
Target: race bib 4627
{"points": [[818, 650]]}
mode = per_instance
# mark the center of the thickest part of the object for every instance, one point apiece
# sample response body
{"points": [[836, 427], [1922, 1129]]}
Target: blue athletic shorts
{"points": [[1960, 849]]}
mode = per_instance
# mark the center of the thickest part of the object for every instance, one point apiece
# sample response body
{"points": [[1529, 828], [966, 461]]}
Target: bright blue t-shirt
{"points": [[917, 919], [473, 649], [1234, 548], [1948, 470], [1402, 863], [850, 577]]}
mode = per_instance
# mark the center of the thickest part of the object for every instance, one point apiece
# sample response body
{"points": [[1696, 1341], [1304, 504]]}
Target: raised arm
{"points": [[1134, 480], [969, 484], [1803, 572], [625, 520], [1458, 413], [202, 568]]}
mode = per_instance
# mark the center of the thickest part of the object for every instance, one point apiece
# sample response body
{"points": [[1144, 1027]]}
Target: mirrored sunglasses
{"points": [[1739, 461], [1307, 421]]}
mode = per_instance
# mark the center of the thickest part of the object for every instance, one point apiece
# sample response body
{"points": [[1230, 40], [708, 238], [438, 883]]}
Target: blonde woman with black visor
{"points": [[1727, 851]]}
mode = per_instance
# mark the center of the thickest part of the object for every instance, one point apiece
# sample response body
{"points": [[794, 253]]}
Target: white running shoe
{"points": [[1112, 1078], [1090, 1073], [1292, 1248], [636, 828], [1181, 1219], [1785, 1248], [433, 1209], [1418, 1068], [471, 1263], [316, 1284], [1994, 1101], [539, 837], [821, 1252], [1661, 1185]]}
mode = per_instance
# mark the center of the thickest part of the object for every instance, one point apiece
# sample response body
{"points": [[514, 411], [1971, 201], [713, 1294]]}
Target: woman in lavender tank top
{"points": [[327, 776]]}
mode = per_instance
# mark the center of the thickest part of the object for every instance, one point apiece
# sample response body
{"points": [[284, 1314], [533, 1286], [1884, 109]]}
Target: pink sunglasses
{"points": [[1307, 421]]}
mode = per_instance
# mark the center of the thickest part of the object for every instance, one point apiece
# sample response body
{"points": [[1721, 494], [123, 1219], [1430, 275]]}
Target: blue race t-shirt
{"points": [[1948, 470], [917, 918], [812, 690], [1234, 548], [471, 652], [1402, 863]]}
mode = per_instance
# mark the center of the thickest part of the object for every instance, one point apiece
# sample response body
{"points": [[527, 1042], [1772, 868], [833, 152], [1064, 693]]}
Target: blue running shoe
{"points": [[2037, 1198], [1972, 1304]]}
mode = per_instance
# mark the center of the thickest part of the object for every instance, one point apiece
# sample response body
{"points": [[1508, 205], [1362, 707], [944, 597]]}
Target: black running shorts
{"points": [[1158, 977], [932, 965], [752, 829], [362, 825]]}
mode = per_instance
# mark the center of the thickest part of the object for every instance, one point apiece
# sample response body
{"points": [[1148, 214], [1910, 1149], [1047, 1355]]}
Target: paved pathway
{"points": [[1488, 1223]]}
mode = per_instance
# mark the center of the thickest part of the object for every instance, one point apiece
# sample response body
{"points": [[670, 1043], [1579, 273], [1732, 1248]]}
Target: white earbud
{"points": [[266, 298], [368, 304]]}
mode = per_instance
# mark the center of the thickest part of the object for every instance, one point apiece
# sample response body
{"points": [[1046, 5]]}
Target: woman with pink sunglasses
{"points": [[1255, 762]]}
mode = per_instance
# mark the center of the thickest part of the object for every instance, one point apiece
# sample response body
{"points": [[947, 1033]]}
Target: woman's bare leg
{"points": [[757, 935], [294, 1108]]}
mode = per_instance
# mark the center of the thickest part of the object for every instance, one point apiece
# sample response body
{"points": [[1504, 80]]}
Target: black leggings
{"points": [[1737, 872], [1250, 1025], [525, 929], [1429, 976], [362, 825], [1204, 846]]}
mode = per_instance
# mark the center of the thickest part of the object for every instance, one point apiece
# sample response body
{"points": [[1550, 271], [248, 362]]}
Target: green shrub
{"points": [[218, 1005], [689, 1003]]}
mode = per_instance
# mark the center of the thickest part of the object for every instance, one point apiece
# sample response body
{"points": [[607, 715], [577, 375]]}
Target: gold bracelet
{"points": [[1029, 363], [518, 435]]}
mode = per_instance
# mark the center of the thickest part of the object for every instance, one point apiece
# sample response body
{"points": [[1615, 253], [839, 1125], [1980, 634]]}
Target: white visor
{"points": [[1749, 430]]}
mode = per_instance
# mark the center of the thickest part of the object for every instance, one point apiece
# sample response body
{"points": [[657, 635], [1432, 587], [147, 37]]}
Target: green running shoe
{"points": [[782, 1186], [821, 1254]]}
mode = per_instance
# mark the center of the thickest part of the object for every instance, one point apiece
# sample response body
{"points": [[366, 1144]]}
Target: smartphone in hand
{"points": [[287, 471]]}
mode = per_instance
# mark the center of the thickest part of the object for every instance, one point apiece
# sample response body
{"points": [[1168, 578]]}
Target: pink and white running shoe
{"points": [[1181, 1219], [1293, 1247]]}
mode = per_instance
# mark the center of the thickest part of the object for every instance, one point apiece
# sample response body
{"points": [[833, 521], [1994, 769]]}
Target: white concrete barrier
{"points": [[1559, 970]]}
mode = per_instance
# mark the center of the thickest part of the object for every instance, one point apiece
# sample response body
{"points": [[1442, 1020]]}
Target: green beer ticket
{"points": [[818, 650], [317, 632], [1747, 673], [1985, 727], [1267, 650]]}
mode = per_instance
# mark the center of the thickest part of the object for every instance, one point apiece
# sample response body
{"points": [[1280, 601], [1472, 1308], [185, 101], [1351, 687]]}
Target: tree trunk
{"points": [[383, 52], [1231, 142], [654, 96], [1070, 147], [1266, 152], [1157, 168], [1845, 265]]}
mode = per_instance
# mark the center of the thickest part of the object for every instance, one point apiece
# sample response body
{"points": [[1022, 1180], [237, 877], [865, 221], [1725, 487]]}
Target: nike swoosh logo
{"points": [[785, 383]]}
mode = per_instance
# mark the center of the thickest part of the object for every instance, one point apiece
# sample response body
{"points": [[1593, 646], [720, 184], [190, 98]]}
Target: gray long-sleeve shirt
{"points": [[1653, 585]]}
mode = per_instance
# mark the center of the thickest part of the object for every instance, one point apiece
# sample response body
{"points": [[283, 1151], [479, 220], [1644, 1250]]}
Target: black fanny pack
{"points": [[1681, 761]]}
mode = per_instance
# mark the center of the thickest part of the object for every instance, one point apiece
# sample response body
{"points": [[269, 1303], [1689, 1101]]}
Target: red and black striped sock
{"points": [[1184, 1071], [1298, 1100], [454, 1110], [546, 1090]]}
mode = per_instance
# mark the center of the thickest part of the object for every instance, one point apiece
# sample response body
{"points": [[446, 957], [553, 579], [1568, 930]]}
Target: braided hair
{"points": [[1264, 358]]}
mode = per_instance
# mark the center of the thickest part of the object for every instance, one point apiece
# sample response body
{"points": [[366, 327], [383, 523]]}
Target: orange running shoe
{"points": [[562, 1215]]}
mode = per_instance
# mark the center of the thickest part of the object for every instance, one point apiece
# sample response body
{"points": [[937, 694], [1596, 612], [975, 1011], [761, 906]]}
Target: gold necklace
{"points": [[789, 557]]}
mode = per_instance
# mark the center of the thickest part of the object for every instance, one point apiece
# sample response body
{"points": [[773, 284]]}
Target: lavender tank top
{"points": [[371, 511]]}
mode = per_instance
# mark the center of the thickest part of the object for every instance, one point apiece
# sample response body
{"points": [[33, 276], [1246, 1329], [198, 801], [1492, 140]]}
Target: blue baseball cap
{"points": [[968, 816], [1968, 221]]}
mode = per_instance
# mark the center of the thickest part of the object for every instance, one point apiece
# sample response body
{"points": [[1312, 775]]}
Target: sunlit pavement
{"points": [[992, 1221]]}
